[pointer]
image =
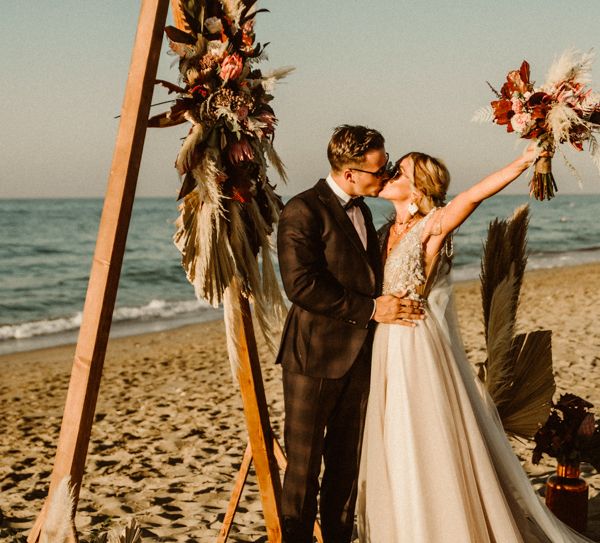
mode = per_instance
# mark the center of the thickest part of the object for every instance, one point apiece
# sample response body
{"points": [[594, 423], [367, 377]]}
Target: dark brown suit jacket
{"points": [[331, 281]]}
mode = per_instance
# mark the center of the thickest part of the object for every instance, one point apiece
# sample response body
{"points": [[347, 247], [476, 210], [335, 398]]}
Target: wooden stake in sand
{"points": [[108, 256]]}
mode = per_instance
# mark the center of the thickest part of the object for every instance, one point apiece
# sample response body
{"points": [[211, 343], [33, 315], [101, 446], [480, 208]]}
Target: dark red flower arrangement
{"points": [[571, 435]]}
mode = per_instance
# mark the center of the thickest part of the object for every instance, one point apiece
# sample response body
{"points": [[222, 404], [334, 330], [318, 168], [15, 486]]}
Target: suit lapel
{"points": [[372, 240], [332, 202], [327, 196]]}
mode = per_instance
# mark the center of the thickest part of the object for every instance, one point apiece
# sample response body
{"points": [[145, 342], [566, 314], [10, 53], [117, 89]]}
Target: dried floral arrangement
{"points": [[571, 435], [229, 208], [564, 109]]}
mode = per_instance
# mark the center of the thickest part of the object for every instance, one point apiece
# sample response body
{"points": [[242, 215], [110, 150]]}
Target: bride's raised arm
{"points": [[451, 216]]}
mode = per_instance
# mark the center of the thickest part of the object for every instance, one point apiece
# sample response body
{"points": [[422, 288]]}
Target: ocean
{"points": [[47, 245]]}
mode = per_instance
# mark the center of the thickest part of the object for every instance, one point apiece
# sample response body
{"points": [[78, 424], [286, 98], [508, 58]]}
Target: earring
{"points": [[413, 208]]}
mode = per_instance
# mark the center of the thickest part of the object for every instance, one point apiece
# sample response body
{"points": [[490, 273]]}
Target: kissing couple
{"points": [[376, 382]]}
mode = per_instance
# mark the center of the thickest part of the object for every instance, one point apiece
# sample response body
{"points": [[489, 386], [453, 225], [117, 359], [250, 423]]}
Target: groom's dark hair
{"points": [[349, 144]]}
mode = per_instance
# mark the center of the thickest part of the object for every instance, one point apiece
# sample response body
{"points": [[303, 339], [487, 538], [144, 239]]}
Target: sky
{"points": [[415, 70]]}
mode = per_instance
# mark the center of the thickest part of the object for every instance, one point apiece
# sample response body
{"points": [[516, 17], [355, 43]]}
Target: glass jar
{"points": [[567, 496]]}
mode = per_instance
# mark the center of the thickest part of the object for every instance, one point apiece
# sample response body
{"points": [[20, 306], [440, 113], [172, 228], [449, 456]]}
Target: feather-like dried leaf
{"points": [[483, 115], [572, 168], [164, 120], [188, 185], [189, 152], [180, 49], [595, 151], [275, 161], [179, 36], [171, 87], [191, 10], [250, 16]]}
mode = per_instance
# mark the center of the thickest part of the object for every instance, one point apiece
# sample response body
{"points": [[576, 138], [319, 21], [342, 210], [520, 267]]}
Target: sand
{"points": [[169, 432]]}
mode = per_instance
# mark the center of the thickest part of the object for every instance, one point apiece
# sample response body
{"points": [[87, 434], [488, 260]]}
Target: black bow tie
{"points": [[353, 202]]}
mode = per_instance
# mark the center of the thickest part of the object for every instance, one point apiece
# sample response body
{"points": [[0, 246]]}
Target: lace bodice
{"points": [[405, 265]]}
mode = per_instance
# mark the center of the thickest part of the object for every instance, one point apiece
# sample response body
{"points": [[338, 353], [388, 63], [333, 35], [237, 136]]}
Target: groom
{"points": [[331, 269]]}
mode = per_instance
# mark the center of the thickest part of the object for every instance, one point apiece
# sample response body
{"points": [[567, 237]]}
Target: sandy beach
{"points": [[169, 433]]}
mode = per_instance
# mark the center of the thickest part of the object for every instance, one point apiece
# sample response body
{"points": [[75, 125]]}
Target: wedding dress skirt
{"points": [[436, 465]]}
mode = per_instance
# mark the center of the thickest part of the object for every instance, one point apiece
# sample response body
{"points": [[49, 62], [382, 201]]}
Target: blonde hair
{"points": [[431, 179], [349, 145]]}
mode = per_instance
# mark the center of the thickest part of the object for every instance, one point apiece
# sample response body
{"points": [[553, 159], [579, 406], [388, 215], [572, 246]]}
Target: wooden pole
{"points": [[236, 494], [108, 256], [240, 332]]}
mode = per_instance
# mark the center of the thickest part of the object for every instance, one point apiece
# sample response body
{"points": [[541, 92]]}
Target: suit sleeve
{"points": [[303, 266]]}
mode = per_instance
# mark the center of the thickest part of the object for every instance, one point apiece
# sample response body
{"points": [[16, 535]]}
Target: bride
{"points": [[436, 465]]}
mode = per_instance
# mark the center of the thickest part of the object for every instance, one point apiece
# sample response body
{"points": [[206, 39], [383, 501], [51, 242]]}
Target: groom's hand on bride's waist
{"points": [[396, 309]]}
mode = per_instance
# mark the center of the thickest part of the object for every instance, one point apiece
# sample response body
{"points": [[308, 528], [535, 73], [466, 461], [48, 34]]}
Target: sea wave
{"points": [[153, 310]]}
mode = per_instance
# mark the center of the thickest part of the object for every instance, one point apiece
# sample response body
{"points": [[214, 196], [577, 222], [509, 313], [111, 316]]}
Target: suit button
{"points": [[352, 322]]}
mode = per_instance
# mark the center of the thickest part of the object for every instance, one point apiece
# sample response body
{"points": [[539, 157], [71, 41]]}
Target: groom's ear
{"points": [[347, 172]]}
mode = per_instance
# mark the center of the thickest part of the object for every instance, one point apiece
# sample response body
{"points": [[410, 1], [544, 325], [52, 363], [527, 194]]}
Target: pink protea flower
{"points": [[517, 104], [231, 67], [521, 122], [239, 151]]}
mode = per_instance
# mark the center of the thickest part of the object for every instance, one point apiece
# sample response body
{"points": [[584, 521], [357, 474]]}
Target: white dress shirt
{"points": [[354, 213]]}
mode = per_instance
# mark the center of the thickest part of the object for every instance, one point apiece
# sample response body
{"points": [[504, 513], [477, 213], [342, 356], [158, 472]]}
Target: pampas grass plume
{"points": [[572, 65], [58, 527]]}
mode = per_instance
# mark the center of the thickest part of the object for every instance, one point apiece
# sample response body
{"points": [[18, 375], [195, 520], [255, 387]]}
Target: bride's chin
{"points": [[383, 194]]}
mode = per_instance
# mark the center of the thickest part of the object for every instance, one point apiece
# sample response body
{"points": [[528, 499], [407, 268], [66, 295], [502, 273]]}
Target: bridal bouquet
{"points": [[564, 109], [571, 435], [228, 208]]}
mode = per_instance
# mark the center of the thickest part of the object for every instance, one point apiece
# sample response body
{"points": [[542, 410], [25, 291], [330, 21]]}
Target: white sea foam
{"points": [[155, 309]]}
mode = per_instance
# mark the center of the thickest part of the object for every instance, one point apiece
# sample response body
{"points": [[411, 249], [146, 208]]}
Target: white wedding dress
{"points": [[436, 466]]}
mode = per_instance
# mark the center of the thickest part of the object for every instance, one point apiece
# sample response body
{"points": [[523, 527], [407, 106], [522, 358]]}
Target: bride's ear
{"points": [[416, 196]]}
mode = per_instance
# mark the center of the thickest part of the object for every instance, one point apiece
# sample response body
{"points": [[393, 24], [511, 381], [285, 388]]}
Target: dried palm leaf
{"points": [[131, 534], [505, 246], [533, 384], [499, 375], [518, 371]]}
